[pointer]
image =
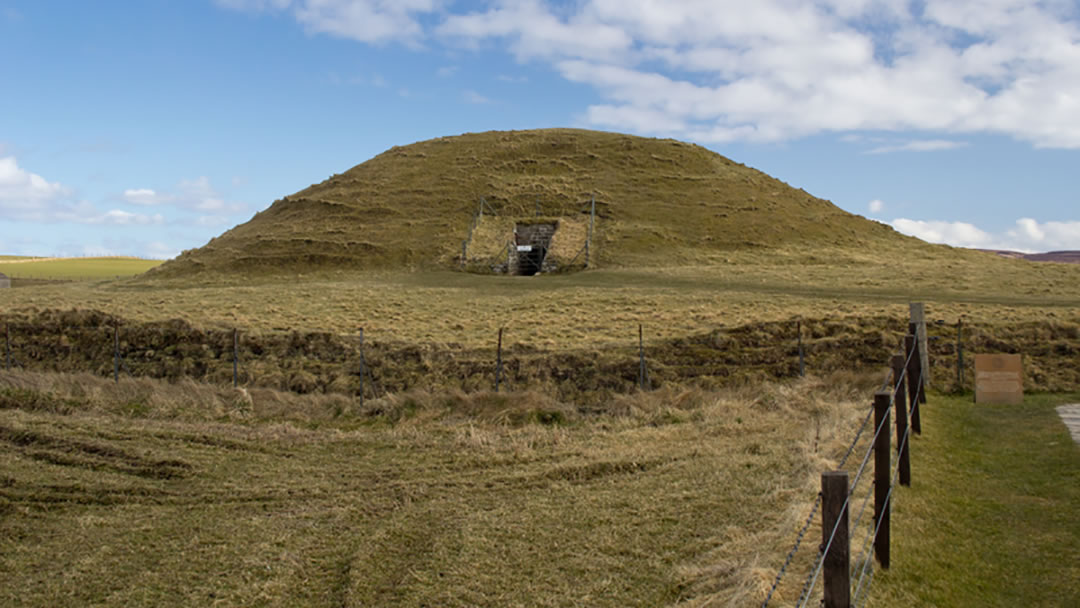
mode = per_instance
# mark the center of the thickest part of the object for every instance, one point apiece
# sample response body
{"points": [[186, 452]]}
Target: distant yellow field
{"points": [[74, 268]]}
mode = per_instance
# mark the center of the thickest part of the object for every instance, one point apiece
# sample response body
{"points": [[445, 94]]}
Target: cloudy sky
{"points": [[145, 127]]}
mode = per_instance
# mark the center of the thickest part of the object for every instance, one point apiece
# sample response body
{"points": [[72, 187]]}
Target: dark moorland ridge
{"points": [[1068, 257]]}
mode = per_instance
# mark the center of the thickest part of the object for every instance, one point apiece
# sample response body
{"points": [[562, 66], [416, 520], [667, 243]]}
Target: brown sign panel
{"points": [[999, 379]]}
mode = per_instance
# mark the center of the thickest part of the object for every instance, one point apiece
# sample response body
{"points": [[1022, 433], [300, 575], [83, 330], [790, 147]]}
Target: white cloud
{"points": [[120, 217], [876, 206], [196, 194], [769, 69], [446, 71], [1048, 236], [85, 213], [26, 195], [156, 250], [535, 31], [369, 21], [475, 98], [1028, 236], [931, 145], [254, 5], [144, 196], [958, 234]]}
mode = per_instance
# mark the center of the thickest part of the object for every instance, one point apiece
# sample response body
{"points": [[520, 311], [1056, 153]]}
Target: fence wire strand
{"points": [[811, 581], [870, 450], [854, 442], [858, 519], [868, 563], [791, 554], [868, 583]]}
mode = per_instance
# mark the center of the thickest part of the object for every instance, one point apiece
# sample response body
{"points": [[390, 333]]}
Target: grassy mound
{"points": [[660, 202]]}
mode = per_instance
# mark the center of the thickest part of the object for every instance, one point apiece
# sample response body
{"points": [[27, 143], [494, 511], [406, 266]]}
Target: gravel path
{"points": [[1070, 415]]}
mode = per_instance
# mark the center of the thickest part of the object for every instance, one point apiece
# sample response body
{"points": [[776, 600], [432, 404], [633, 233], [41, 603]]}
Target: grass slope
{"points": [[660, 203], [990, 519]]}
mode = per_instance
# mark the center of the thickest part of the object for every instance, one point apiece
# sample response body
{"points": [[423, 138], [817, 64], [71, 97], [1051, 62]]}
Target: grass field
{"points": [[990, 519], [152, 494], [74, 269], [595, 307]]}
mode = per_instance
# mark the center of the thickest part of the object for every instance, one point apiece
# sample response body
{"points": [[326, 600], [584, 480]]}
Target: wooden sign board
{"points": [[999, 379]]}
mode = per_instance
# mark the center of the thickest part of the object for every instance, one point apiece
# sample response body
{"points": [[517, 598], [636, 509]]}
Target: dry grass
{"points": [[199, 496], [598, 307]]}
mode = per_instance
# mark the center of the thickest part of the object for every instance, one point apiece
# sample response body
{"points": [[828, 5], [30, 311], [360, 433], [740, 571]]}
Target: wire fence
{"points": [[106, 346], [833, 579], [323, 362]]}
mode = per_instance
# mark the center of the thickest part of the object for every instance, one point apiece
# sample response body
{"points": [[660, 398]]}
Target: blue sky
{"points": [[146, 127]]}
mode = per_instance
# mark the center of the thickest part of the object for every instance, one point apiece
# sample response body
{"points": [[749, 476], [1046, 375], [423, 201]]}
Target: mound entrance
{"points": [[526, 246], [531, 244]]}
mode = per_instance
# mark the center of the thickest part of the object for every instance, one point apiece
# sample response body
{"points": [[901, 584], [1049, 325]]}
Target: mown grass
{"points": [[194, 496], [991, 517], [74, 268]]}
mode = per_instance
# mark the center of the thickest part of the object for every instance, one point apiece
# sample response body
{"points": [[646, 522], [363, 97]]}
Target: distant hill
{"points": [[1068, 257], [659, 202]]}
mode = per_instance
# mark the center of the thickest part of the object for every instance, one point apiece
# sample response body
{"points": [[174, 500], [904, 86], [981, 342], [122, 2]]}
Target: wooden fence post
{"points": [[362, 366], [903, 449], [918, 317], [588, 237], [235, 357], [915, 391], [837, 561], [802, 356], [960, 353], [881, 477], [116, 352], [641, 357], [498, 362]]}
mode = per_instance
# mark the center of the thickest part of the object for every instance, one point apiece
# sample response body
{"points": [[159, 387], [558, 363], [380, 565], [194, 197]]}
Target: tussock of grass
{"points": [[674, 497]]}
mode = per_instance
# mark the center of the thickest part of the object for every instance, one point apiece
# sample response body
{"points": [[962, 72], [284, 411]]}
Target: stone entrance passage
{"points": [[532, 242]]}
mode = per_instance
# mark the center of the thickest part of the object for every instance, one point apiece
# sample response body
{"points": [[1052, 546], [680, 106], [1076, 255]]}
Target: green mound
{"points": [[659, 202]]}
